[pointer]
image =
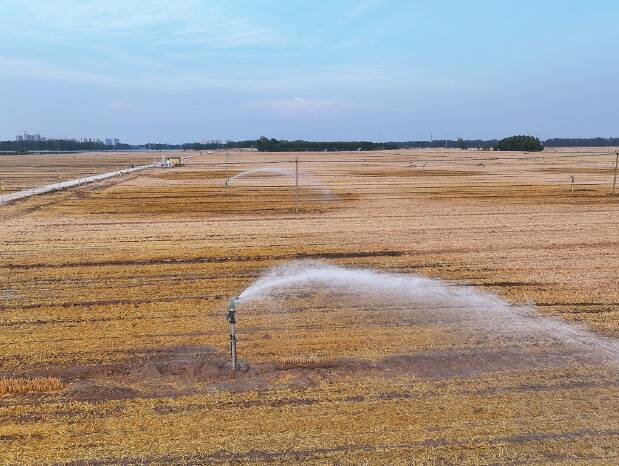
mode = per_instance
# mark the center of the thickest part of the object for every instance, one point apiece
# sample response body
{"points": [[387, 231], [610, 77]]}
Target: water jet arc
{"points": [[431, 299], [310, 181]]}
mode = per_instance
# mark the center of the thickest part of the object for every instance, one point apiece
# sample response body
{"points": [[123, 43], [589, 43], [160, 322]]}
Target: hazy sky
{"points": [[186, 70]]}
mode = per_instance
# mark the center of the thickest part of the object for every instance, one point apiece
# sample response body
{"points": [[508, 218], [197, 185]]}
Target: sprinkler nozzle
{"points": [[231, 316]]}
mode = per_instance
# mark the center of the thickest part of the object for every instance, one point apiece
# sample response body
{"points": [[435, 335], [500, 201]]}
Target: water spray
{"points": [[231, 318], [429, 299], [295, 175]]}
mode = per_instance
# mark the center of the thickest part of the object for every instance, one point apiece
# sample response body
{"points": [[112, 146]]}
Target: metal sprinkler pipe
{"points": [[231, 318]]}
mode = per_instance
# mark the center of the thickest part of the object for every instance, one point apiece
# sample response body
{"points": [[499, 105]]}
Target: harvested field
{"points": [[118, 291], [20, 172]]}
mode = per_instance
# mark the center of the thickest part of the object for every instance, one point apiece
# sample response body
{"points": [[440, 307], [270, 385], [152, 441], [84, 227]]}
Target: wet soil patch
{"points": [[448, 364], [187, 370]]}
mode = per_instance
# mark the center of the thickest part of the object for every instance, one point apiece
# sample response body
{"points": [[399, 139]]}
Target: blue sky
{"points": [[185, 70]]}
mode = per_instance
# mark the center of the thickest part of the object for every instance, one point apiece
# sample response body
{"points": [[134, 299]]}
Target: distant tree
{"points": [[461, 144], [265, 144], [520, 143]]}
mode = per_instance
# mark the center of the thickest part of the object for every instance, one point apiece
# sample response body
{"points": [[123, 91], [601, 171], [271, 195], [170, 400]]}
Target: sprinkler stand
{"points": [[231, 318]]}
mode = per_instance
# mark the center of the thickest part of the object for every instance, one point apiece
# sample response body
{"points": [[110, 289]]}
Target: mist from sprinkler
{"points": [[432, 299], [309, 180]]}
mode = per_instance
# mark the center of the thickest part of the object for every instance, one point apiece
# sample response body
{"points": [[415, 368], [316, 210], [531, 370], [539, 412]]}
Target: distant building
{"points": [[29, 137], [174, 161], [109, 142], [169, 162], [116, 141]]}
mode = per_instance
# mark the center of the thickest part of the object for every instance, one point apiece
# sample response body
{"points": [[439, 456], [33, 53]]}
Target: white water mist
{"points": [[308, 180], [435, 298]]}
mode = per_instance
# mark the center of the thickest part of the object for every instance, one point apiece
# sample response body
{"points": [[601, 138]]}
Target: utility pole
{"points": [[226, 173], [296, 204], [615, 180]]}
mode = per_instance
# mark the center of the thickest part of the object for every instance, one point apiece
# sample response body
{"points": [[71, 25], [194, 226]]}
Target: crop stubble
{"points": [[119, 290]]}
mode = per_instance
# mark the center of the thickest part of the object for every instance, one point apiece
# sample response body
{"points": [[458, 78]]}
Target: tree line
{"points": [[582, 142], [247, 144], [57, 145], [264, 144]]}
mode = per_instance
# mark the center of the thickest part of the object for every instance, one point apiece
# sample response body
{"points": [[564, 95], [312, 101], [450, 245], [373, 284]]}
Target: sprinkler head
{"points": [[231, 316]]}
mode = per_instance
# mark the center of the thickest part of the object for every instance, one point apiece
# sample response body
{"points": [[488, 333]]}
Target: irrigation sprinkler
{"points": [[231, 318], [226, 174], [615, 179], [296, 195]]}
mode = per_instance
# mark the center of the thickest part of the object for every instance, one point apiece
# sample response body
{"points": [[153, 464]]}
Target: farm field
{"points": [[114, 342], [21, 172]]}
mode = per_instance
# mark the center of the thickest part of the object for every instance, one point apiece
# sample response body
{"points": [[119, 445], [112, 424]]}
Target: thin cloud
{"points": [[31, 69], [188, 22], [122, 106], [300, 106], [39, 70]]}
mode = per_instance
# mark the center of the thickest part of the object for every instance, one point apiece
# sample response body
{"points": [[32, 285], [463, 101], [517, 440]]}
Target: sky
{"points": [[389, 70]]}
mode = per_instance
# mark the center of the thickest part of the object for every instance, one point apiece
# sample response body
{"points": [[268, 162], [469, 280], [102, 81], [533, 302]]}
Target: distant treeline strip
{"points": [[282, 145], [274, 145], [582, 142], [58, 145]]}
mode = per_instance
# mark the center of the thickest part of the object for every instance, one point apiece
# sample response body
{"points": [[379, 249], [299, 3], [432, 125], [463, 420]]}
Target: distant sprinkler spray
{"points": [[231, 318]]}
